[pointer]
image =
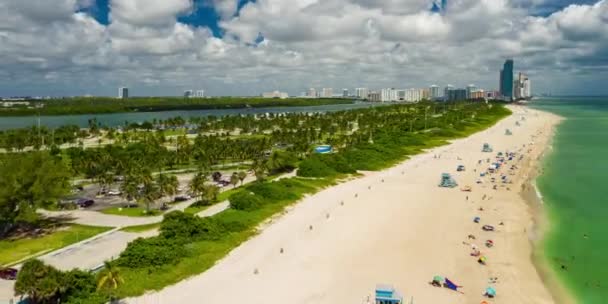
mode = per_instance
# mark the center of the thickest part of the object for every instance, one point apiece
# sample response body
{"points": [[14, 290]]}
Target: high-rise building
{"points": [[477, 94], [528, 87], [311, 93], [200, 93], [374, 96], [521, 86], [362, 93], [456, 94], [123, 93], [387, 94], [506, 80], [327, 92], [345, 93], [434, 92], [470, 89], [446, 91], [426, 93]]}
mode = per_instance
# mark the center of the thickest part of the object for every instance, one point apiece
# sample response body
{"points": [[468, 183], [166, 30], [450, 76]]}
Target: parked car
{"points": [[114, 192], [85, 202], [130, 205], [182, 198], [8, 273]]}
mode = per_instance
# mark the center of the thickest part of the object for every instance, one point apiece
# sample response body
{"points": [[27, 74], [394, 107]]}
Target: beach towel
{"points": [[449, 284]]}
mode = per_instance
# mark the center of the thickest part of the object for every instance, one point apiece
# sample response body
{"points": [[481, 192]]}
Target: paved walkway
{"points": [[94, 252]]}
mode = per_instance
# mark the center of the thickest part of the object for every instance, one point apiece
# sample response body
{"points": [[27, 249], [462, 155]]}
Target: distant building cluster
{"points": [[275, 94], [194, 94], [510, 89]]}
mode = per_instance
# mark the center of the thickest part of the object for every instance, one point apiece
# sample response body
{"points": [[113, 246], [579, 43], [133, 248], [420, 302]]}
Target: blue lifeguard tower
{"points": [[386, 294]]}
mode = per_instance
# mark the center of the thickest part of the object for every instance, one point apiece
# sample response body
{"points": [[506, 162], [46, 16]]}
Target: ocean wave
{"points": [[539, 195]]}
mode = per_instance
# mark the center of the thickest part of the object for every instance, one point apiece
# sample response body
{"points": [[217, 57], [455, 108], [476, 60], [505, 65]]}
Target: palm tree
{"points": [[150, 193], [167, 184], [197, 184], [242, 176], [110, 277], [234, 179], [210, 193], [275, 162], [129, 188], [259, 169]]}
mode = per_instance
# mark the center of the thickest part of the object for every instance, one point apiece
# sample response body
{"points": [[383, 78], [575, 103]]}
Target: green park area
{"points": [[364, 139], [15, 249]]}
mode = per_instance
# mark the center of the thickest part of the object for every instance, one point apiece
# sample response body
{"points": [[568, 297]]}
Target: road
{"points": [[92, 252]]}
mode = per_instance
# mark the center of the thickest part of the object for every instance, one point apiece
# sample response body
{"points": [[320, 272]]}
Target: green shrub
{"points": [[274, 191], [314, 167], [43, 283], [154, 251], [244, 200], [179, 225]]}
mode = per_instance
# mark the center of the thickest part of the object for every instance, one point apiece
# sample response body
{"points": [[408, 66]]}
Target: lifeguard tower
{"points": [[447, 181], [386, 294], [486, 148]]}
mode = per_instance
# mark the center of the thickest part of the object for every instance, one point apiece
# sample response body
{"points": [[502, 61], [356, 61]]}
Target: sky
{"points": [[245, 47]]}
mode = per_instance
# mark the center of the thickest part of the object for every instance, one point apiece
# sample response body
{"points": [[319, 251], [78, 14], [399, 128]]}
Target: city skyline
{"points": [[229, 47]]}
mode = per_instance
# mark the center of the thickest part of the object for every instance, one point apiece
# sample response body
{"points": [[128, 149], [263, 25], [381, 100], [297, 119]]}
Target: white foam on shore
{"points": [[539, 195]]}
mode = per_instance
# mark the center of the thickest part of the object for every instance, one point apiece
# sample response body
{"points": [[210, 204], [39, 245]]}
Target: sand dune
{"points": [[396, 227]]}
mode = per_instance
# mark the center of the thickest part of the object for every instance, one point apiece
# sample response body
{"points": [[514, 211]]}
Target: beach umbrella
{"points": [[438, 279], [490, 291]]}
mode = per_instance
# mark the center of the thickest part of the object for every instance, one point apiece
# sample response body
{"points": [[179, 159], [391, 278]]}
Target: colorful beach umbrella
{"points": [[438, 279]]}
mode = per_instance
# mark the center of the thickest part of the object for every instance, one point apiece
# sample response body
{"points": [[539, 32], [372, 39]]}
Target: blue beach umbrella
{"points": [[490, 291]]}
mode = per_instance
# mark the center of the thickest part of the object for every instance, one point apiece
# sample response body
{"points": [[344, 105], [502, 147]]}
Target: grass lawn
{"points": [[141, 228], [14, 250], [134, 211]]}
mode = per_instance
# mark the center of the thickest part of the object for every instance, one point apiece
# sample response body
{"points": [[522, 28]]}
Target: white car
{"points": [[114, 192]]}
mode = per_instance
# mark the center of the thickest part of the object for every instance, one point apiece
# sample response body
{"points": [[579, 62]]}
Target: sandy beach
{"points": [[396, 227]]}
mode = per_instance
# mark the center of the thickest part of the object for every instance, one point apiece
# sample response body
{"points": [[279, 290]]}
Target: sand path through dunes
{"points": [[395, 226]]}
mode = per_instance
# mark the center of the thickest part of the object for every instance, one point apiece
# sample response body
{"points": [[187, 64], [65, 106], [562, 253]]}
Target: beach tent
{"points": [[490, 292]]}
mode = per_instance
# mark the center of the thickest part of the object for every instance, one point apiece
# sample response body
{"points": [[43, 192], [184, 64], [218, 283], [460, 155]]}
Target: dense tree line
{"points": [[19, 139], [99, 105], [29, 181]]}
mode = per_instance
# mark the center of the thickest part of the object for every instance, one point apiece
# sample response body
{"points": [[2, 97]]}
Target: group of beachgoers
{"points": [[497, 172]]}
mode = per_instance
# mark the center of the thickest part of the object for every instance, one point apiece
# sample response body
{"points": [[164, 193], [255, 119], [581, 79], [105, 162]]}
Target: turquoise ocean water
{"points": [[574, 186]]}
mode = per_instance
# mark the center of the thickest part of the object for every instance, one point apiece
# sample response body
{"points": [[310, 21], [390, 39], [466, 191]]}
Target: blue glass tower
{"points": [[435, 8], [506, 80], [444, 5]]}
